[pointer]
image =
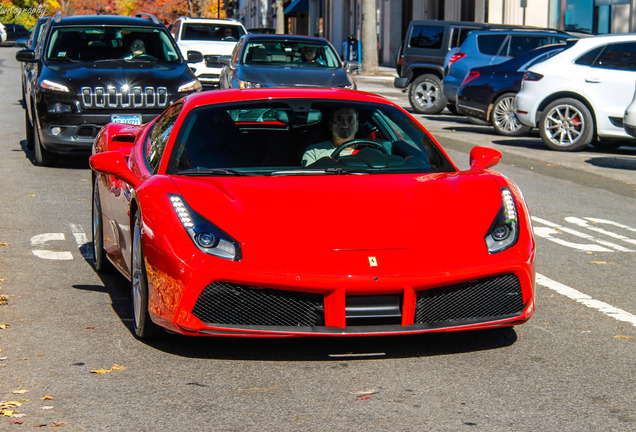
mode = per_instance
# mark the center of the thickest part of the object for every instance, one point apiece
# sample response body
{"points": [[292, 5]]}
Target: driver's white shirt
{"points": [[321, 150]]}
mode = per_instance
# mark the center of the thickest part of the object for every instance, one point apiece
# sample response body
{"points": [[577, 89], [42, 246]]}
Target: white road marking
{"points": [[556, 229], [586, 300], [82, 241], [42, 239]]}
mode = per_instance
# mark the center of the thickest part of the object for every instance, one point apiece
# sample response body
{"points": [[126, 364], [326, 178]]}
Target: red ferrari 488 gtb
{"points": [[306, 212]]}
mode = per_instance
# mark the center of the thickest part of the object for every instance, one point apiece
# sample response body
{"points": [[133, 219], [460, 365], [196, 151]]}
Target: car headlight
{"points": [[190, 87], [248, 84], [206, 236], [50, 85], [504, 231]]}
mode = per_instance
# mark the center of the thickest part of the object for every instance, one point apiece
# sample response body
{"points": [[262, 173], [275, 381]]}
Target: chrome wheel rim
{"points": [[426, 94], [564, 125], [505, 117], [137, 275]]}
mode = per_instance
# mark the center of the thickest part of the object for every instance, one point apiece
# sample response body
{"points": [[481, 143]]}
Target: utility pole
{"points": [[369, 37], [280, 17]]}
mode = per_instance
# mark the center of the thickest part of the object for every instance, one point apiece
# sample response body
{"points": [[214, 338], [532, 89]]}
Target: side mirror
{"points": [[195, 57], [351, 66], [114, 163], [225, 60], [25, 55], [484, 157]]}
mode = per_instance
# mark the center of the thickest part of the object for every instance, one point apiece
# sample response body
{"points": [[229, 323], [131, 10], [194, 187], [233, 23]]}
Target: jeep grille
{"points": [[133, 97]]}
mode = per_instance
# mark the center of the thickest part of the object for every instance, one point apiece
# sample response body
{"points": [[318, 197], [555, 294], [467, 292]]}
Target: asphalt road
{"points": [[572, 367]]}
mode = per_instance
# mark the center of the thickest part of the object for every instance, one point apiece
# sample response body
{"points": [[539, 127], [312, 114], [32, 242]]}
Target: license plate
{"points": [[131, 119]]}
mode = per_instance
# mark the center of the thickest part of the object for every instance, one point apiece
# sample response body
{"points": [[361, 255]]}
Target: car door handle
{"points": [[592, 80]]}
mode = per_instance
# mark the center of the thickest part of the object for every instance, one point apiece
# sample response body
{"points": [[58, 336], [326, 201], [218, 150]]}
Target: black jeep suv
{"points": [[92, 70]]}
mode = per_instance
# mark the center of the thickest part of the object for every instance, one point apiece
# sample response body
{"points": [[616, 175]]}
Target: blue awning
{"points": [[298, 6]]}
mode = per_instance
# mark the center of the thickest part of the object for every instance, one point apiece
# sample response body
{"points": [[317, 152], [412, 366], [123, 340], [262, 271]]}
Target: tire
{"points": [[566, 125], [41, 156], [99, 254], [504, 117], [28, 128], [142, 323], [425, 95], [452, 108]]}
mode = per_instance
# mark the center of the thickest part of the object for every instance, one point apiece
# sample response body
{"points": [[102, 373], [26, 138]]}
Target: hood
{"points": [[117, 73], [314, 224], [295, 76], [218, 48]]}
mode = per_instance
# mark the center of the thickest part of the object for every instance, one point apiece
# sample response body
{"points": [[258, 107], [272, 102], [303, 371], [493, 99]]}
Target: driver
{"points": [[343, 125], [137, 48]]}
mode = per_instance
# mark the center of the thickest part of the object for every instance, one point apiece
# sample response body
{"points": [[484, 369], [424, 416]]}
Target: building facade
{"points": [[335, 20]]}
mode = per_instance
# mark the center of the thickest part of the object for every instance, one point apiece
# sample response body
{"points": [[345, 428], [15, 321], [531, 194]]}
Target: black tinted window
{"points": [[589, 57], [618, 56], [523, 44], [489, 44], [158, 137], [427, 37], [459, 35]]}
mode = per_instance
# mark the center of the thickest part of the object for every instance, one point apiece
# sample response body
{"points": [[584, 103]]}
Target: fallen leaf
{"points": [[7, 413], [598, 262], [58, 424], [4, 326], [32, 195], [622, 337], [16, 421], [47, 397], [4, 244], [101, 371], [19, 415], [40, 425], [117, 367], [47, 408], [20, 391]]}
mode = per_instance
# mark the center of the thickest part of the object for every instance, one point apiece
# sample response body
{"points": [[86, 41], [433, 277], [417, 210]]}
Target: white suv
{"points": [[579, 96], [212, 38]]}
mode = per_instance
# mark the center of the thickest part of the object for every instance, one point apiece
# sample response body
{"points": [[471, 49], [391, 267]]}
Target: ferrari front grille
{"points": [[124, 97], [227, 303], [479, 300]]}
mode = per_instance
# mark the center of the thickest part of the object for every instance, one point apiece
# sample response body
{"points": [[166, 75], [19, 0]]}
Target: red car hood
{"points": [[351, 225]]}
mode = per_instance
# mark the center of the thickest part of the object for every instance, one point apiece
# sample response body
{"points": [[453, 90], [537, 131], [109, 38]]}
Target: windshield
{"points": [[211, 32], [289, 53], [301, 137], [89, 44]]}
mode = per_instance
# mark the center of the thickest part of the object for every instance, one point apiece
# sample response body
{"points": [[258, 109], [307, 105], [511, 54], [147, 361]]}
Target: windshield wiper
{"points": [[212, 172], [328, 171]]}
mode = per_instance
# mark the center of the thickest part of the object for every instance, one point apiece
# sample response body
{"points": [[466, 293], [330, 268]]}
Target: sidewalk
{"points": [[386, 75]]}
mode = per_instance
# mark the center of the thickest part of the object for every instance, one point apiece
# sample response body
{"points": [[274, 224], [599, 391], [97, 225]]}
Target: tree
{"points": [[369, 37]]}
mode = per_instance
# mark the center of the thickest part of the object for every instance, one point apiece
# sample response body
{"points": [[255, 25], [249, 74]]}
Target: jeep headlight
{"points": [[50, 85], [192, 86]]}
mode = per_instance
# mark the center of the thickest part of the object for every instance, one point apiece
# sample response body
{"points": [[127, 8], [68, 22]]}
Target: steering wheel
{"points": [[144, 57], [360, 142]]}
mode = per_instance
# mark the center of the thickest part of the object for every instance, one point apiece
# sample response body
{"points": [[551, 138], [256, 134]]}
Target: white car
{"points": [[579, 96], [629, 118], [212, 38], [3, 33]]}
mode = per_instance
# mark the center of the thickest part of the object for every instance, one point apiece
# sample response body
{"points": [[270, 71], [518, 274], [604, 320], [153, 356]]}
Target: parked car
{"points": [[629, 118], [221, 229], [92, 70], [420, 60], [579, 96], [211, 37], [27, 67], [3, 33], [262, 60], [482, 48], [14, 32], [488, 92]]}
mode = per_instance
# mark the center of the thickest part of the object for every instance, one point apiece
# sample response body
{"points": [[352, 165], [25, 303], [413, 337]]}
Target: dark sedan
{"points": [[15, 32], [488, 92], [262, 60]]}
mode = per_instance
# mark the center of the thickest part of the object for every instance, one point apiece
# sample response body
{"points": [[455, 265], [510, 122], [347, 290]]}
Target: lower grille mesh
{"points": [[226, 303], [490, 298]]}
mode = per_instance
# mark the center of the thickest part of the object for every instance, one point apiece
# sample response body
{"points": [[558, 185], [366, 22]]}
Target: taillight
{"points": [[531, 76], [456, 57], [400, 61], [471, 76]]}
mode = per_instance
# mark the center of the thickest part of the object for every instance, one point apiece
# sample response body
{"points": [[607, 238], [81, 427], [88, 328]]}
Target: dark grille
{"points": [[124, 97], [491, 298], [226, 303], [212, 61]]}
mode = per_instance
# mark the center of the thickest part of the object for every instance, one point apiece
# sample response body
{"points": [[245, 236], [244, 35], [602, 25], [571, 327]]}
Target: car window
{"points": [[459, 35], [589, 57], [159, 135], [211, 32], [100, 43], [490, 44], [277, 52], [427, 37], [540, 58], [621, 56], [522, 44], [261, 138]]}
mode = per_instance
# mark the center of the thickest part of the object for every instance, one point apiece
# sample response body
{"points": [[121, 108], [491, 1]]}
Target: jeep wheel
{"points": [[425, 95], [566, 125], [41, 156], [504, 117]]}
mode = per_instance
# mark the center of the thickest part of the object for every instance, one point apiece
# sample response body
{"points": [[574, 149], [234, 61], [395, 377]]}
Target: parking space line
{"points": [[586, 300]]}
